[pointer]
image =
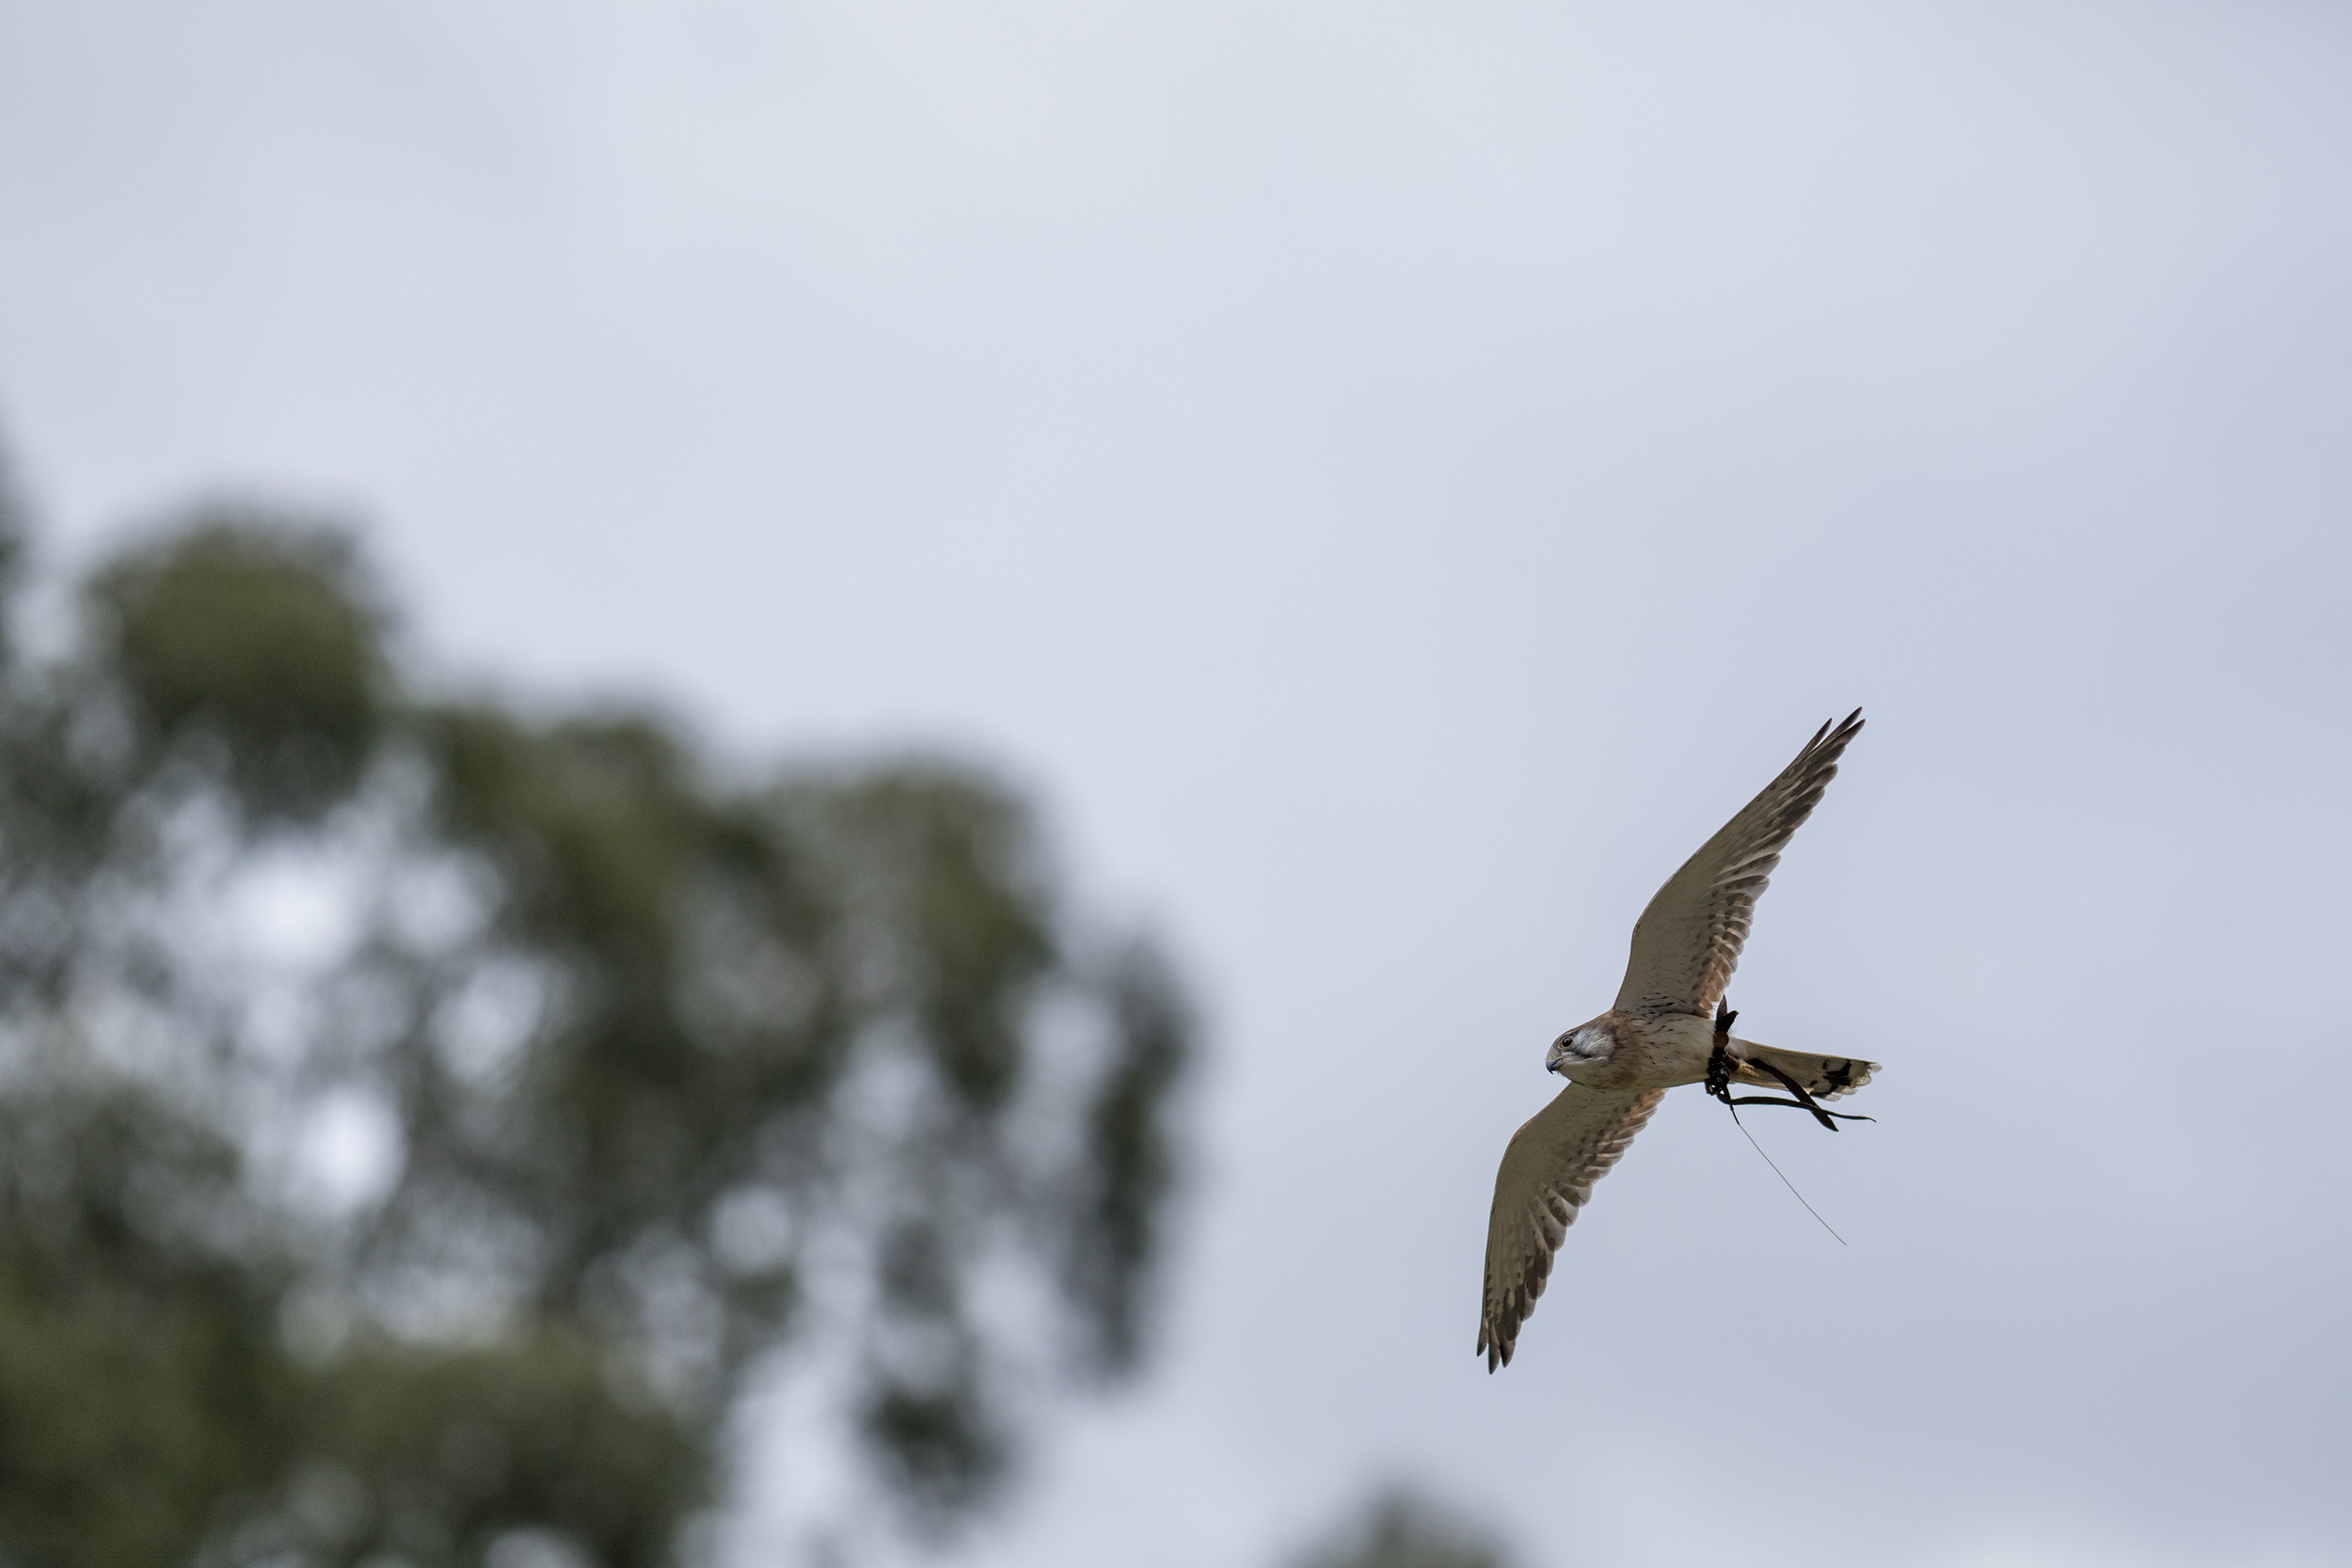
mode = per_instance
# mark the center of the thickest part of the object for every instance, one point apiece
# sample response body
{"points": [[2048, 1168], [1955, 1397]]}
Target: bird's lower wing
{"points": [[1546, 1174]]}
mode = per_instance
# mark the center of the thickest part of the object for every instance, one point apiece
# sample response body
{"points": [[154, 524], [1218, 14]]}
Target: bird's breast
{"points": [[1657, 1052]]}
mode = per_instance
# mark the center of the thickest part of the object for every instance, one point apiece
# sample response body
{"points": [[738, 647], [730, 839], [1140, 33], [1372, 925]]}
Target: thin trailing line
{"points": [[1784, 1179]]}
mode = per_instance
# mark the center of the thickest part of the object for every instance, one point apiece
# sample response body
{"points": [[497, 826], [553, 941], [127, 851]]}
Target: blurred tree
{"points": [[422, 1122], [1400, 1528]]}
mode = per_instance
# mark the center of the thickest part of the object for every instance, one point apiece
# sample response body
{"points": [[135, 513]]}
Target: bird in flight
{"points": [[1669, 1026]]}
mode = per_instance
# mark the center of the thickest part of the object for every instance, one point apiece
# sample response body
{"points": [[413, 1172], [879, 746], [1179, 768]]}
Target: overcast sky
{"points": [[1393, 477]]}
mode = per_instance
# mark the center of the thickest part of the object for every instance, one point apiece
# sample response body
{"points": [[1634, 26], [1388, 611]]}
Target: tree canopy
{"points": [[426, 1119], [1398, 1528]]}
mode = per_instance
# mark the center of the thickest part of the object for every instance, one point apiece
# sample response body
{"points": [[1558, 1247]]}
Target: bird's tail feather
{"points": [[1822, 1077]]}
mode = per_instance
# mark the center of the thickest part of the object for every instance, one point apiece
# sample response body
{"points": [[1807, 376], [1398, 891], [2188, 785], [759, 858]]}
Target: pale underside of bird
{"points": [[1668, 1026]]}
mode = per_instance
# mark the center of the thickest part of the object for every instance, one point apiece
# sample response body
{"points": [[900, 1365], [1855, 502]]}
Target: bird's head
{"points": [[1586, 1043]]}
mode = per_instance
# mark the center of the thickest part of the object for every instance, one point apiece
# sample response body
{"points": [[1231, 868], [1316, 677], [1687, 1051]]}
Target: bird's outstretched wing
{"points": [[1546, 1174], [1687, 942]]}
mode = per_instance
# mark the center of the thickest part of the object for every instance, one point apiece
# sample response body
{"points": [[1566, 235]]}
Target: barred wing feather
{"points": [[1688, 941], [1548, 1174]]}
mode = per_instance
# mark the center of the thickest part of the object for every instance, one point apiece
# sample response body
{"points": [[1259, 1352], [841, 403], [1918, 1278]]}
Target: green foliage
{"points": [[681, 1071], [256, 643], [1400, 1530], [15, 524], [141, 1386], [1131, 1160], [433, 1455]]}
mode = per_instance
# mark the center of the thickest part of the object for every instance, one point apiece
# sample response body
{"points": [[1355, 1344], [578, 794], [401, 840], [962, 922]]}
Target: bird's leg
{"points": [[1719, 1061], [1719, 1070]]}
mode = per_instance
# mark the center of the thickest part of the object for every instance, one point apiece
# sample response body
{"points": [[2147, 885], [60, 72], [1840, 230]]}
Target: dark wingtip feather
{"points": [[1492, 1344], [1834, 735]]}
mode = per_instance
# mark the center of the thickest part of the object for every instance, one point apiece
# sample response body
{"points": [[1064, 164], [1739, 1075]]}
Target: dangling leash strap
{"points": [[1718, 1079], [1719, 1085]]}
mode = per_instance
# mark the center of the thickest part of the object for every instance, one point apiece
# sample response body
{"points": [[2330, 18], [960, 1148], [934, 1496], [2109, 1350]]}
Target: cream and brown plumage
{"points": [[1667, 1027]]}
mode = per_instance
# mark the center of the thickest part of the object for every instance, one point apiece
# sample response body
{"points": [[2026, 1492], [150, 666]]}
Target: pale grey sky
{"points": [[1394, 477]]}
